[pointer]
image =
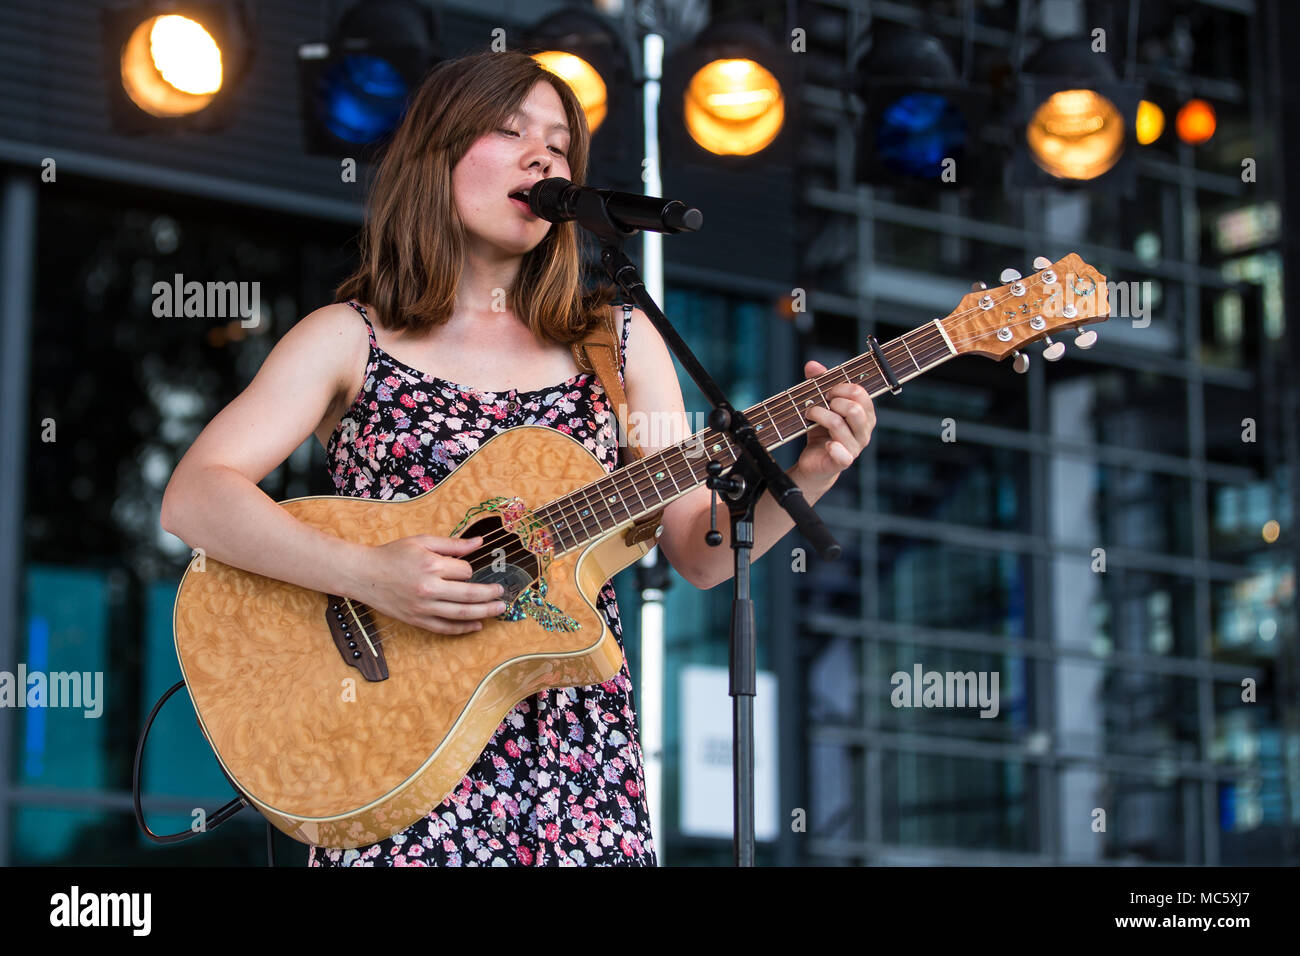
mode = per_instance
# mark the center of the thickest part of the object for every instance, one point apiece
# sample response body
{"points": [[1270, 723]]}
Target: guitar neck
{"points": [[646, 485]]}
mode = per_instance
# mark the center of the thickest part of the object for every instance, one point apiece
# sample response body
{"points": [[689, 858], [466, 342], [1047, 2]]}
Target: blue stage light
{"points": [[362, 98], [924, 121], [354, 86], [917, 132]]}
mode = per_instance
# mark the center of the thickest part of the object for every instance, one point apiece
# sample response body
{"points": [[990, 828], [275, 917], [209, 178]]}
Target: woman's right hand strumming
{"points": [[422, 581]]}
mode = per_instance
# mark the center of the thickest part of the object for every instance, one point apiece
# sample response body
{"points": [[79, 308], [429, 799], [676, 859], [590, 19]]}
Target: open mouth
{"points": [[520, 199]]}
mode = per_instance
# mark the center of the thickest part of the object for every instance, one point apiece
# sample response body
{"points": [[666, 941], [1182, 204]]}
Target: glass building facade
{"points": [[1100, 532]]}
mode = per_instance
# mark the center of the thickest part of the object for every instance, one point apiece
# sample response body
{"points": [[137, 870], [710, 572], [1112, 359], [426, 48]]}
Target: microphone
{"points": [[558, 200]]}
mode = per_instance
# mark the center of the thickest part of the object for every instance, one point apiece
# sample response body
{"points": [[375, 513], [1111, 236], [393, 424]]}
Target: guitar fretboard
{"points": [[646, 485]]}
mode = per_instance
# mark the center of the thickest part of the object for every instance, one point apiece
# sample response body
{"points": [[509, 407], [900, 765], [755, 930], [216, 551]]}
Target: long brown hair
{"points": [[412, 244]]}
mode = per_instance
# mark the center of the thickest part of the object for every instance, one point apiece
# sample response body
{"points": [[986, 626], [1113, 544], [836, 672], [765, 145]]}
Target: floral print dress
{"points": [[560, 783]]}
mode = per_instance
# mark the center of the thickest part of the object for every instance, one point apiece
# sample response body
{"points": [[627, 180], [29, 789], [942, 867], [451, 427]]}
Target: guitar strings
{"points": [[636, 478], [814, 384], [926, 358]]}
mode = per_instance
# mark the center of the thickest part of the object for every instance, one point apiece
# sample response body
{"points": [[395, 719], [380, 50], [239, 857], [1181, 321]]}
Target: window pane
{"points": [[961, 802], [955, 482], [940, 585]]}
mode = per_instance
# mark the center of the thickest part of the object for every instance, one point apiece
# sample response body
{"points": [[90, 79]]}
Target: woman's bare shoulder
{"points": [[338, 319], [330, 343], [333, 337]]}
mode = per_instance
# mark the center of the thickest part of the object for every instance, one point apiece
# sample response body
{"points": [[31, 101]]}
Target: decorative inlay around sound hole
{"points": [[515, 553]]}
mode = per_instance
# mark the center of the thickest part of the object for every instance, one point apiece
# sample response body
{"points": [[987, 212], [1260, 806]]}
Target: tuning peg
{"points": [[1012, 276], [1041, 262], [1021, 362], [978, 286], [1054, 350], [1085, 340]]}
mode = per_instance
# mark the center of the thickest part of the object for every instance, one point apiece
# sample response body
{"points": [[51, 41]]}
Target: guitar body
{"points": [[337, 758]]}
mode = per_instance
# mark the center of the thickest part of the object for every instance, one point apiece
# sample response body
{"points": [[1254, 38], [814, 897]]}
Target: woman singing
{"points": [[458, 324]]}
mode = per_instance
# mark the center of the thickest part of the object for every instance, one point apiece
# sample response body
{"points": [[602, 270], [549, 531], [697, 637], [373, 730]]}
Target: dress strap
{"points": [[362, 309], [627, 324]]}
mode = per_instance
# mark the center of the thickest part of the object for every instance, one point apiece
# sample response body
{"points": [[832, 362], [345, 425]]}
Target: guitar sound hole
{"points": [[514, 579], [502, 559]]}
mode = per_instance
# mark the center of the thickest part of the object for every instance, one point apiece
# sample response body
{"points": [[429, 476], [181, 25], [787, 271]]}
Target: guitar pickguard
{"points": [[522, 574]]}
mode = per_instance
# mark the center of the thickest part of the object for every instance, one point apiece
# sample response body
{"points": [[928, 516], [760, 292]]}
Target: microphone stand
{"points": [[752, 473]]}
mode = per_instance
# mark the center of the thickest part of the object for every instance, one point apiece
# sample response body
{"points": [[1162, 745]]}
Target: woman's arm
{"points": [[655, 399], [213, 502]]}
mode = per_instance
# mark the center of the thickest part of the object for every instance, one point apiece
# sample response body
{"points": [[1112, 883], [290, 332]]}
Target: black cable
{"points": [[214, 819]]}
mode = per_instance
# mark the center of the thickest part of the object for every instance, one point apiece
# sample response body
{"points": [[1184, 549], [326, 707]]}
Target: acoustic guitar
{"points": [[344, 726]]}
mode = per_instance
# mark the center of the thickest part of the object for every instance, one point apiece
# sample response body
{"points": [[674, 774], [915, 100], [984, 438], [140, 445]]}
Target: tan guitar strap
{"points": [[599, 352]]}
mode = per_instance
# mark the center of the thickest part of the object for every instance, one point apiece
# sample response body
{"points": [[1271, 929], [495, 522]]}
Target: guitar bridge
{"points": [[353, 630]]}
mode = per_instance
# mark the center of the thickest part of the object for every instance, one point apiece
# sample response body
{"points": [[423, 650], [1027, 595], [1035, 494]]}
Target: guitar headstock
{"points": [[997, 322]]}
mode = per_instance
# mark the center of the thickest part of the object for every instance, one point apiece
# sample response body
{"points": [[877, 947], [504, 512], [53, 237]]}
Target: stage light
{"points": [[1076, 134], [173, 65], [361, 98], [918, 131], [1196, 122], [355, 86], [733, 107], [1150, 122], [583, 79], [584, 49], [725, 99], [1076, 117], [918, 115]]}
